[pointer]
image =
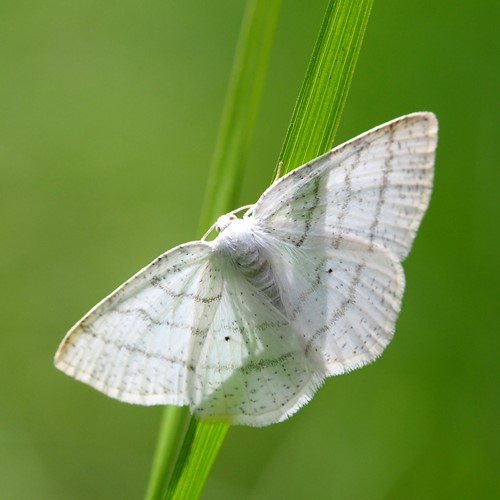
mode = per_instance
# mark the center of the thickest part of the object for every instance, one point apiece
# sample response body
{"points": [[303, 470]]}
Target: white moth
{"points": [[308, 284]]}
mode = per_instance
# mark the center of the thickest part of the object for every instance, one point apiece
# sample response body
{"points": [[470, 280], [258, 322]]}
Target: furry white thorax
{"points": [[237, 236]]}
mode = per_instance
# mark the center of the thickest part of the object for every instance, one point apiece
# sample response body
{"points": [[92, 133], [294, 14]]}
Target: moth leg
{"points": [[278, 171]]}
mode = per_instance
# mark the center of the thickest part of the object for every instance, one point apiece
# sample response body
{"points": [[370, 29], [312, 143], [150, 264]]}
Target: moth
{"points": [[306, 285]]}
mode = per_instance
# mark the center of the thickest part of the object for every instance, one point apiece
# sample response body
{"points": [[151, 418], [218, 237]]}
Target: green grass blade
{"points": [[240, 112], [202, 441], [324, 91], [201, 445], [172, 429]]}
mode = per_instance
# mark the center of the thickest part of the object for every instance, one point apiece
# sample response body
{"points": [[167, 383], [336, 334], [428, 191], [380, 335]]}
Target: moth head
{"points": [[224, 221]]}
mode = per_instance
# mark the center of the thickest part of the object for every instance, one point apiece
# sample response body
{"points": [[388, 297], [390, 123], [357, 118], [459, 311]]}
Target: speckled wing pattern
{"points": [[135, 345], [191, 329], [376, 187], [251, 366]]}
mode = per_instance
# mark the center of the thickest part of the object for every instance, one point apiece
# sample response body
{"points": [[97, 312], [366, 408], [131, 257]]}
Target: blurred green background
{"points": [[108, 116]]}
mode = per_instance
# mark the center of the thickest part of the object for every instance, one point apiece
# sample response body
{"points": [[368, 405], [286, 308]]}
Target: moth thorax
{"points": [[236, 235]]}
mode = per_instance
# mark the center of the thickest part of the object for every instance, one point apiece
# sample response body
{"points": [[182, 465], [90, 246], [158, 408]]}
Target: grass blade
{"points": [[314, 122], [240, 112], [324, 91], [172, 430], [201, 445], [202, 441]]}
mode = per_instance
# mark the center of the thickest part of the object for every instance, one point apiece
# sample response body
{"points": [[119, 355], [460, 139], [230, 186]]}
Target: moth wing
{"points": [[135, 345], [375, 187], [342, 301]]}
